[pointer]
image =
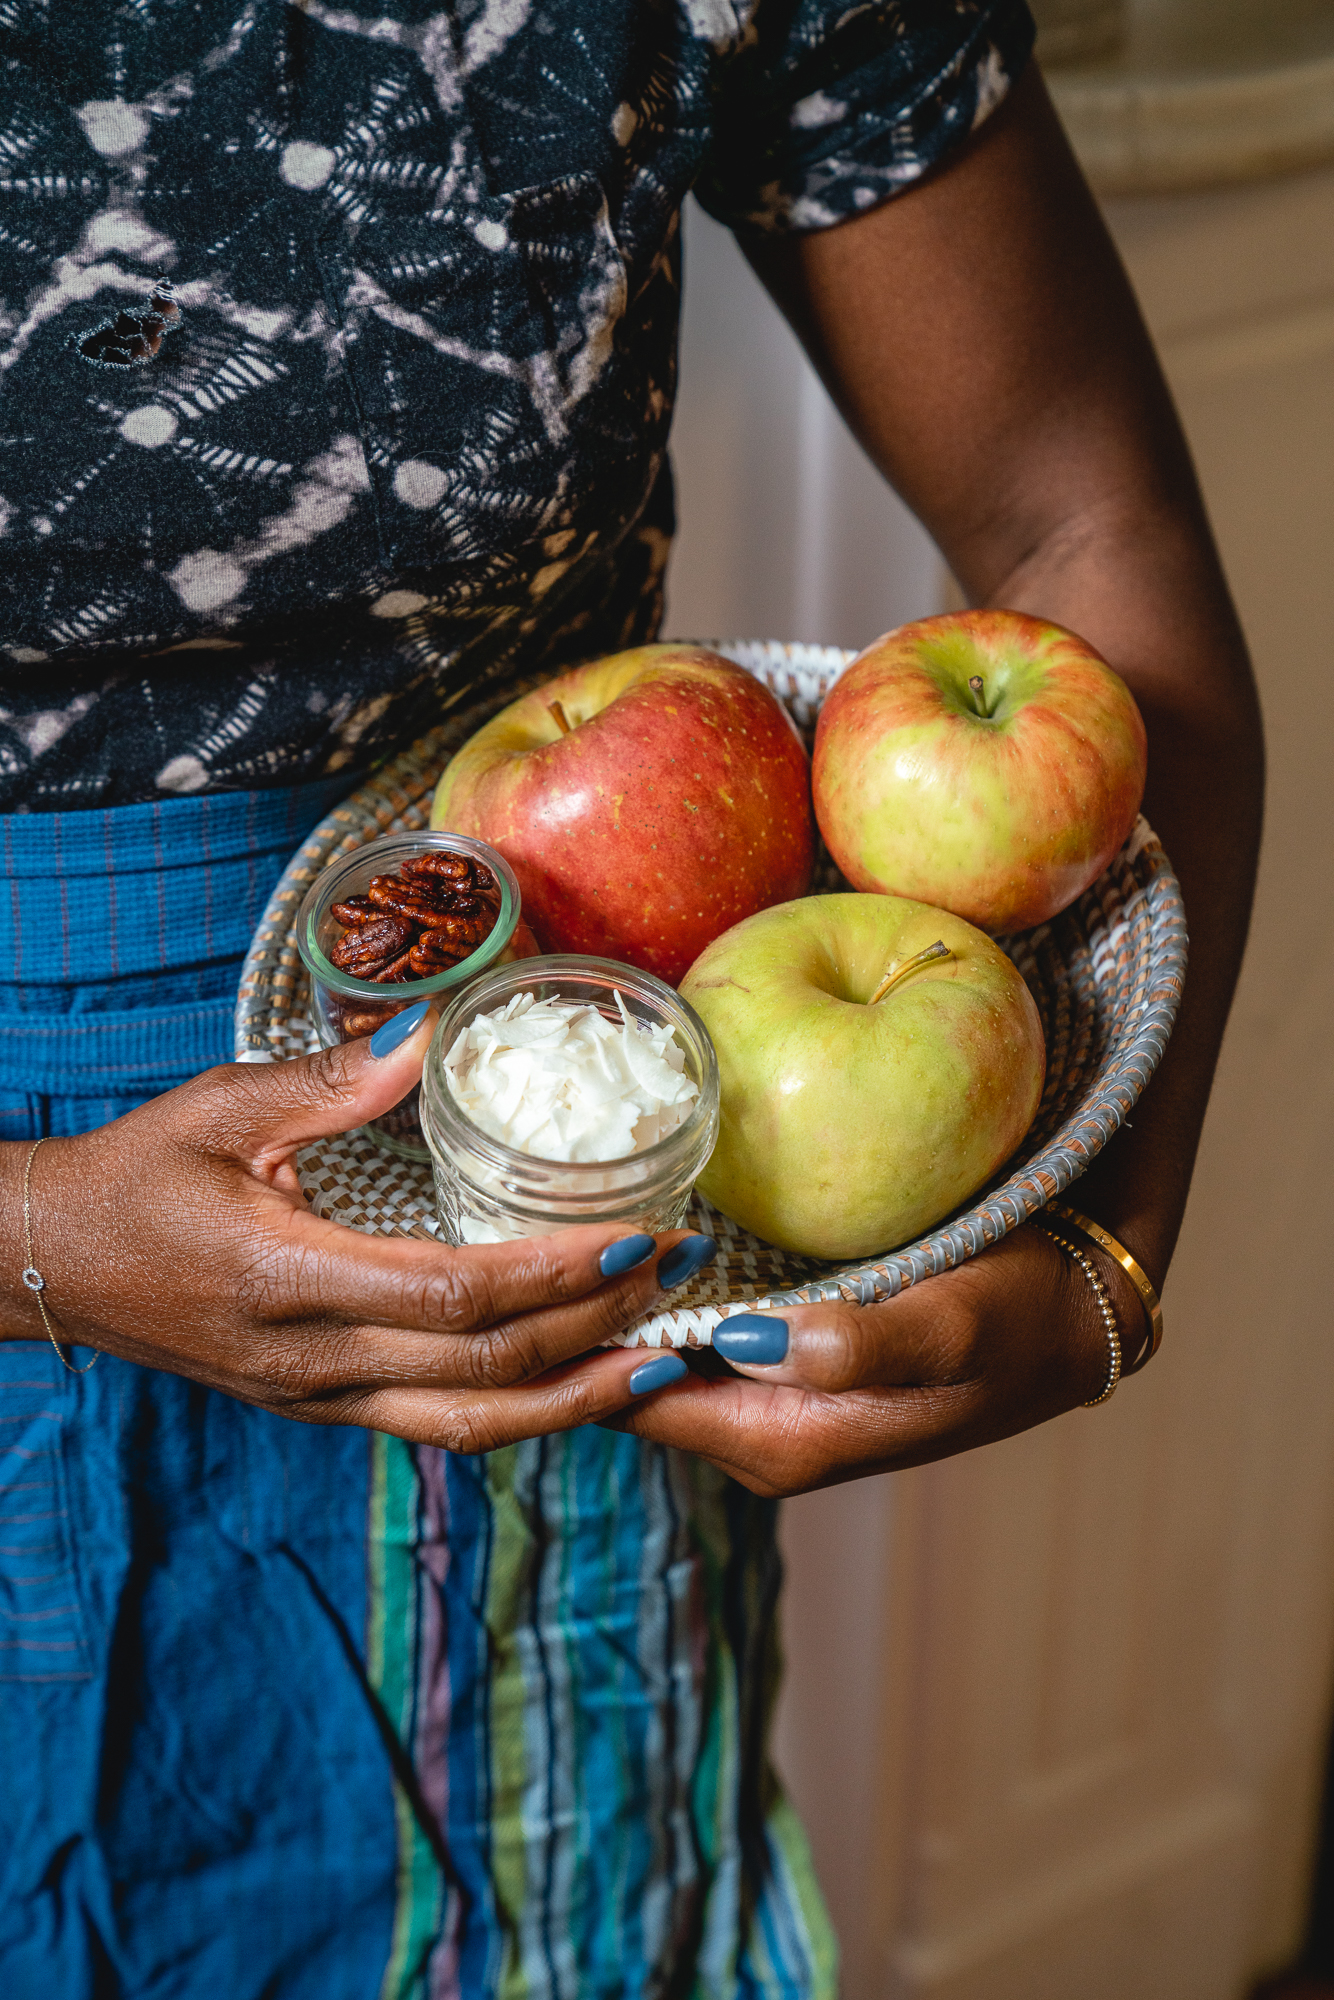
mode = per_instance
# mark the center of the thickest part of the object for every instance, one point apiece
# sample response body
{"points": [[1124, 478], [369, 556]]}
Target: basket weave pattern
{"points": [[1106, 975]]}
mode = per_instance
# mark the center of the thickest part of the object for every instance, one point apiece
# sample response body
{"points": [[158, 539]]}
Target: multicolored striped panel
{"points": [[574, 1642]]}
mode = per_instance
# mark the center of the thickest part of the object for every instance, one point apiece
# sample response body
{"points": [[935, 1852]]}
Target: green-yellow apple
{"points": [[646, 802], [879, 1060], [983, 761]]}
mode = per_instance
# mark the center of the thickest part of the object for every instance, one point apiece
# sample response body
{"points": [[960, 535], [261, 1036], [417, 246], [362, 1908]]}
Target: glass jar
{"points": [[344, 1008], [488, 1192]]}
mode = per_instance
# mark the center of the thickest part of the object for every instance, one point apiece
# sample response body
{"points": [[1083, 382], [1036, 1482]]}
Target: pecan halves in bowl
{"points": [[430, 916]]}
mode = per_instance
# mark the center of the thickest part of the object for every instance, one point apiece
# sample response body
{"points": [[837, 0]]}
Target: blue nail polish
{"points": [[391, 1035], [623, 1256], [689, 1256], [754, 1339], [657, 1373]]}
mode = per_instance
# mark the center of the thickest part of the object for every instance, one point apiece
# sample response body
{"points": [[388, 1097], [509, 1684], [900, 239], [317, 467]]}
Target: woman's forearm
{"points": [[1147, 595]]}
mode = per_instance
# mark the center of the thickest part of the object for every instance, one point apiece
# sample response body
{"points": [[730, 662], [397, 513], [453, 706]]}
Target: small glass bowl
{"points": [[344, 1008], [488, 1192]]}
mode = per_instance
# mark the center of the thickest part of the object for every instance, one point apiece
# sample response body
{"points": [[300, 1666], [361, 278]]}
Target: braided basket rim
{"points": [[1110, 969]]}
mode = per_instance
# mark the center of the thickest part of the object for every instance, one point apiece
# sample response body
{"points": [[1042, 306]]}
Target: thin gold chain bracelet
{"points": [[32, 1277], [1105, 1308]]}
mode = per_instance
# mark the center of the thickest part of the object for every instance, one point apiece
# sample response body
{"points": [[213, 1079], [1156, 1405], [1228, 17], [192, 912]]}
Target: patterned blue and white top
{"points": [[404, 425]]}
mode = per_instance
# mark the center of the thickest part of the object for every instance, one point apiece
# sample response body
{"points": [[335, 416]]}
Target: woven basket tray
{"points": [[1106, 976]]}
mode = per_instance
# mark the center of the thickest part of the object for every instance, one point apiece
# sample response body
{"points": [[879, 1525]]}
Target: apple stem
{"points": [[562, 719], [978, 693], [891, 979]]}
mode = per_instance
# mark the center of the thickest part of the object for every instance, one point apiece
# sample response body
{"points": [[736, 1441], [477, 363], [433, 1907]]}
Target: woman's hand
{"points": [[177, 1237], [1003, 1342]]}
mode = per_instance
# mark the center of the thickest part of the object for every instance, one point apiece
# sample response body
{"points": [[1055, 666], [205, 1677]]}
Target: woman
{"points": [[461, 1680]]}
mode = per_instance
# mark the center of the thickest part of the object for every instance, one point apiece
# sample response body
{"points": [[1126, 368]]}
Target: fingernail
{"points": [[752, 1338], [687, 1258], [623, 1256], [392, 1034], [657, 1373]]}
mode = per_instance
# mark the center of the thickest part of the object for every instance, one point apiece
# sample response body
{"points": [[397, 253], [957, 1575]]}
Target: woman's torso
{"points": [[292, 1711]]}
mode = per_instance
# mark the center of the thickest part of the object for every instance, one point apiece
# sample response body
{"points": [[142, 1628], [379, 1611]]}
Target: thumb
{"points": [[312, 1097]]}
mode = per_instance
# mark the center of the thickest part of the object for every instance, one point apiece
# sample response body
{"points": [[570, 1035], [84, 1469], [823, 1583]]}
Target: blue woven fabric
{"points": [[122, 935], [301, 1713], [166, 1553]]}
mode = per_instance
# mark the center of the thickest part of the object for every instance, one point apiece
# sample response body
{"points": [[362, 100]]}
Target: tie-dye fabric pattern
{"points": [[399, 423]]}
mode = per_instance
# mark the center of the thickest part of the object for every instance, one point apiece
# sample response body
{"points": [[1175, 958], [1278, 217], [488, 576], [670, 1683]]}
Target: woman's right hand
{"points": [[178, 1238]]}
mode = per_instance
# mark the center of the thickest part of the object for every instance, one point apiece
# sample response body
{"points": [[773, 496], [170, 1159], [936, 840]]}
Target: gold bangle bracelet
{"points": [[1138, 1276]]}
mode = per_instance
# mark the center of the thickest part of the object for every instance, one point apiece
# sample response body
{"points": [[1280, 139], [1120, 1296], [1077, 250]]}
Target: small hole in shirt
{"points": [[132, 339]]}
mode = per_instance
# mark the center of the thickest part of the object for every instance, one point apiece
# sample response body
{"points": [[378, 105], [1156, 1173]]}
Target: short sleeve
{"points": [[824, 108]]}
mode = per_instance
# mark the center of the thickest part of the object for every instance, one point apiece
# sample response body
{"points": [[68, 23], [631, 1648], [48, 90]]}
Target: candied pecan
{"points": [[418, 902], [456, 931], [438, 863], [357, 910], [367, 1021], [425, 964], [399, 968], [372, 945]]}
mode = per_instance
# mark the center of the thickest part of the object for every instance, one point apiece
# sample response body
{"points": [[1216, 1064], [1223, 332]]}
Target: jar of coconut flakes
{"points": [[563, 1090]]}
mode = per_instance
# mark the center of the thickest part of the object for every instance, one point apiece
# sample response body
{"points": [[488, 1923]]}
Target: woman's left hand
{"points": [[1003, 1342]]}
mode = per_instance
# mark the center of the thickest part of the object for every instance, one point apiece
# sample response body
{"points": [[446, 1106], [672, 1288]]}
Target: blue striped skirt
{"points": [[292, 1713]]}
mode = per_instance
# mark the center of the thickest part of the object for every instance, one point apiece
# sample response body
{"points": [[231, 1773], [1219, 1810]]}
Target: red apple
{"points": [[983, 761], [646, 802], [522, 945]]}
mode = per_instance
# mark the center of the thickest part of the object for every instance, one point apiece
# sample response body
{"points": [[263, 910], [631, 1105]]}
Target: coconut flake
{"points": [[557, 1080]]}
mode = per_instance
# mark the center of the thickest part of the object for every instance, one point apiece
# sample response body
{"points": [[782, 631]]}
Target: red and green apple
{"points": [[646, 803], [983, 761], [879, 1060]]}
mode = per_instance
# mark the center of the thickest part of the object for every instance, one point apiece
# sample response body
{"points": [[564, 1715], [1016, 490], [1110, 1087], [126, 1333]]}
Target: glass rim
{"points": [[495, 1154], [425, 839]]}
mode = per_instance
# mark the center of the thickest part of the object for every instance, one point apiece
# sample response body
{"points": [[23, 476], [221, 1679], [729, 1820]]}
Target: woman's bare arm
{"points": [[983, 343], [981, 339]]}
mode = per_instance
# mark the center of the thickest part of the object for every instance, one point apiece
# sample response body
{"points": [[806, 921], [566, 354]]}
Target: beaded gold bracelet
{"points": [[1105, 1307], [1138, 1276]]}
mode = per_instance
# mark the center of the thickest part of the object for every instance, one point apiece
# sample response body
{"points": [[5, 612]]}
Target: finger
{"points": [[836, 1348], [385, 1311], [581, 1392], [940, 1332], [780, 1441], [307, 1266], [262, 1113]]}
